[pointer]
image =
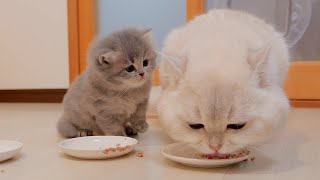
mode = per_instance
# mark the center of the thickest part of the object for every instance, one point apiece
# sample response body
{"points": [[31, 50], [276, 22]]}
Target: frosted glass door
{"points": [[160, 15], [298, 20]]}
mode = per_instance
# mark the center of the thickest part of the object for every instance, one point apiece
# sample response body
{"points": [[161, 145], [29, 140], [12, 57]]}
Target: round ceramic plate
{"points": [[8, 149], [98, 147], [184, 154]]}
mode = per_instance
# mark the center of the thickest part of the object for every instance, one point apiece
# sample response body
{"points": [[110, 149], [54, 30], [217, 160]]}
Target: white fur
{"points": [[227, 67]]}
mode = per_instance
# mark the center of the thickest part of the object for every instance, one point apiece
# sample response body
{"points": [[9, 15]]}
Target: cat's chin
{"points": [[227, 149]]}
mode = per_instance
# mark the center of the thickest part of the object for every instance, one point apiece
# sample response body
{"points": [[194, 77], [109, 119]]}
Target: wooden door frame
{"points": [[81, 28], [81, 24]]}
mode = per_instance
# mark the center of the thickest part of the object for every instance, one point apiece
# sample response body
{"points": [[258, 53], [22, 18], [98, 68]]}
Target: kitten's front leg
{"points": [[111, 125], [138, 119]]}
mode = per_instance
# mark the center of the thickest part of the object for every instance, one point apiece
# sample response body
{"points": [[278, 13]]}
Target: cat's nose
{"points": [[215, 148], [141, 74]]}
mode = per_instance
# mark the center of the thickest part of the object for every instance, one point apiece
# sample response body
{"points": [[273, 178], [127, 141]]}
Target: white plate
{"points": [[94, 147], [184, 154], [8, 149]]}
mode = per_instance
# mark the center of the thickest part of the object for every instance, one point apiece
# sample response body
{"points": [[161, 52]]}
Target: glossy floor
{"points": [[295, 154]]}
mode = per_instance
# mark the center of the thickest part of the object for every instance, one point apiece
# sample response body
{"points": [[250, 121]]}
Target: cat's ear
{"points": [[146, 31], [107, 58], [256, 60], [258, 57], [172, 70]]}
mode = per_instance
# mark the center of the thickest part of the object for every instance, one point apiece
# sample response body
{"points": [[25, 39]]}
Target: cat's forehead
{"points": [[216, 102]]}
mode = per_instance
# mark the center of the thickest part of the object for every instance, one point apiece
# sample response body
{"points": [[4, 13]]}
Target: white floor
{"points": [[295, 155]]}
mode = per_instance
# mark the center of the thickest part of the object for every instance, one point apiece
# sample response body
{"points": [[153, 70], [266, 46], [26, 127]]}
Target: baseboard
{"points": [[305, 103], [56, 96], [33, 95]]}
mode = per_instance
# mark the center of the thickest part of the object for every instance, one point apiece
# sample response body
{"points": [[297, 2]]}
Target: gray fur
{"points": [[106, 99]]}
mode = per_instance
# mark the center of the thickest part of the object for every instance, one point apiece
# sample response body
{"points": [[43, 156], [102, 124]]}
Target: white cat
{"points": [[222, 76]]}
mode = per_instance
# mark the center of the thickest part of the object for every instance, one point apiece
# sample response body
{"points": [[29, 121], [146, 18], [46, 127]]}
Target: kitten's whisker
{"points": [[171, 58], [124, 92], [128, 87]]}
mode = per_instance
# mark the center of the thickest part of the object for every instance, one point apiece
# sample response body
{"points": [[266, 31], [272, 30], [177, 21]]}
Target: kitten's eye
{"points": [[196, 126], [130, 68], [236, 126], [145, 62]]}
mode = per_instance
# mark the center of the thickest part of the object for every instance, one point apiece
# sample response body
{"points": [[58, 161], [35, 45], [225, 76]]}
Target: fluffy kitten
{"points": [[110, 97], [222, 77]]}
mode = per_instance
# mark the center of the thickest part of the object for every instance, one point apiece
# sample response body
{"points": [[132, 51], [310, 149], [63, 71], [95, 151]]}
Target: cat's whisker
{"points": [[194, 154], [182, 148], [258, 149]]}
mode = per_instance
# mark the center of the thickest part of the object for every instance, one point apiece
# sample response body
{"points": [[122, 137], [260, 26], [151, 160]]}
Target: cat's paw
{"points": [[84, 132], [140, 126]]}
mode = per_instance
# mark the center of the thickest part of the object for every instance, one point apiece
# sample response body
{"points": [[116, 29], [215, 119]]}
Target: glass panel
{"points": [[308, 47], [296, 19], [162, 16], [267, 10]]}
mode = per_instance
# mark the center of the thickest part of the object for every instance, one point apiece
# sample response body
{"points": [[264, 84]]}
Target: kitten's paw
{"points": [[84, 132], [115, 131], [130, 131], [140, 126]]}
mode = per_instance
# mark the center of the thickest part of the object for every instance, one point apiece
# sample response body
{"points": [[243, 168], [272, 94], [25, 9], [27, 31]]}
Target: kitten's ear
{"points": [[107, 58], [146, 31], [172, 70], [257, 58]]}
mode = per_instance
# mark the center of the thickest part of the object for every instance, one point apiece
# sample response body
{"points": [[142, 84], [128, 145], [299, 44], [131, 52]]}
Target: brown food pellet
{"points": [[253, 158], [140, 154], [244, 152], [120, 149]]}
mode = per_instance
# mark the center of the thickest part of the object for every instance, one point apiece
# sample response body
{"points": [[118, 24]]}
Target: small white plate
{"points": [[8, 149], [98, 147], [186, 155]]}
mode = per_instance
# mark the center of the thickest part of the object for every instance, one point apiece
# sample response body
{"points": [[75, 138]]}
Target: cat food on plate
{"points": [[243, 152], [98, 147], [117, 148], [187, 155]]}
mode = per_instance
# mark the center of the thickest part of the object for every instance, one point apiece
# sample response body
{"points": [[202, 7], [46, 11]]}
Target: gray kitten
{"points": [[111, 96]]}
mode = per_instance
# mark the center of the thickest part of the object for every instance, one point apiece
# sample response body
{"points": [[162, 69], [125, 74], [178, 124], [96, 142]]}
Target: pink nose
{"points": [[215, 148]]}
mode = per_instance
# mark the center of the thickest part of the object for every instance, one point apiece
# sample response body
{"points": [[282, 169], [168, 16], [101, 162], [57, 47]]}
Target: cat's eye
{"points": [[236, 126], [130, 68], [145, 62], [196, 126]]}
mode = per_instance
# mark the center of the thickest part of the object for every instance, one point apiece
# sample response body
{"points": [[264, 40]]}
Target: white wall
{"points": [[33, 44]]}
